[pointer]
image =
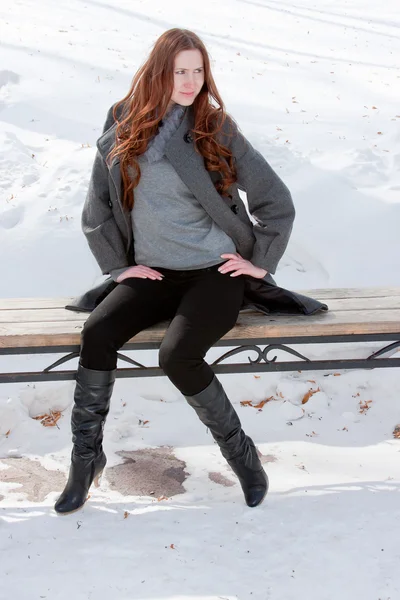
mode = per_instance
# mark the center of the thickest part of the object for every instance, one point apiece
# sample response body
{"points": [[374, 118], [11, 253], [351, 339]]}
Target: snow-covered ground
{"points": [[316, 88]]}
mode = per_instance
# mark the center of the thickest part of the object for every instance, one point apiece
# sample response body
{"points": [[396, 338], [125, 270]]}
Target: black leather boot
{"points": [[92, 403], [216, 412]]}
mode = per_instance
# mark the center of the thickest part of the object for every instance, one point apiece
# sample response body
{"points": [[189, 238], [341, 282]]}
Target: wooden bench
{"points": [[42, 325]]}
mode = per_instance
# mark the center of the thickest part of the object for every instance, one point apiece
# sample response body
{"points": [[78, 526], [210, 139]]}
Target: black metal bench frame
{"points": [[261, 362]]}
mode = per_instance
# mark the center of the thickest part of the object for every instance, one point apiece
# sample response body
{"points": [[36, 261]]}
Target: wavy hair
{"points": [[139, 113]]}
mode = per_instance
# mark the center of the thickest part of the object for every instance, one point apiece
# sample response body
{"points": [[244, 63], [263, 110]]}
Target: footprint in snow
{"points": [[11, 217]]}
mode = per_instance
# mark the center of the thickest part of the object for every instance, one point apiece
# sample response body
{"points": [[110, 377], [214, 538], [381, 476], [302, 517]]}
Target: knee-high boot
{"points": [[92, 403], [215, 410]]}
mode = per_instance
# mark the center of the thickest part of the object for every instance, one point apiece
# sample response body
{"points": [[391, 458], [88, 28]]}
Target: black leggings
{"points": [[203, 304]]}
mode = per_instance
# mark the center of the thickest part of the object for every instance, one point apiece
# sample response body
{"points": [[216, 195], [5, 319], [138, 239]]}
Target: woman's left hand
{"points": [[241, 266]]}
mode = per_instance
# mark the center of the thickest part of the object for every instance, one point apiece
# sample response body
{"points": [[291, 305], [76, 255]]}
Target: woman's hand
{"points": [[241, 266], [140, 271]]}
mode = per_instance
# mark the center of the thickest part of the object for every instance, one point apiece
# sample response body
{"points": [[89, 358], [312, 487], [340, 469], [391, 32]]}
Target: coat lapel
{"points": [[189, 165]]}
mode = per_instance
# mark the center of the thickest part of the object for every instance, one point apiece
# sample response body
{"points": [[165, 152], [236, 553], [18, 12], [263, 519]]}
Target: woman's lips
{"points": [[187, 93]]}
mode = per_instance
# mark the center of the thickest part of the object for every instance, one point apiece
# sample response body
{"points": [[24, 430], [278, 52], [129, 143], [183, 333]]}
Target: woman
{"points": [[164, 218]]}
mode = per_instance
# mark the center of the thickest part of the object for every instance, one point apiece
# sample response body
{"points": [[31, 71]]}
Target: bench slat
{"points": [[330, 293], [42, 315], [249, 325], [320, 294], [33, 303]]}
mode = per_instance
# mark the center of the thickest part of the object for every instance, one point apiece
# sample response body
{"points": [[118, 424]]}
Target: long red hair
{"points": [[144, 106]]}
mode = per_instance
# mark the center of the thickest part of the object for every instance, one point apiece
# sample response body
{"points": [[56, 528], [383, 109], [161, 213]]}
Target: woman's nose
{"points": [[189, 82]]}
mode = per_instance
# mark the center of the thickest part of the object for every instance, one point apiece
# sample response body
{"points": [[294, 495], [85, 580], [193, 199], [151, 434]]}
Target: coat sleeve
{"points": [[269, 201], [98, 223]]}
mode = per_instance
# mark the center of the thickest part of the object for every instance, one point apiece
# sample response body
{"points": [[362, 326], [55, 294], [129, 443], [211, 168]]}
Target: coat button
{"points": [[188, 137], [235, 208], [110, 203]]}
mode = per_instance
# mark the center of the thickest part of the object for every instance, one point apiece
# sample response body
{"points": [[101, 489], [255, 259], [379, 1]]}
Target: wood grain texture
{"points": [[53, 314], [249, 325]]}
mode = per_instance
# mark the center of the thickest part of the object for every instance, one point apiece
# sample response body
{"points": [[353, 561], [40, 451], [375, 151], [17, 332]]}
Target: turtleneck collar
{"points": [[169, 124]]}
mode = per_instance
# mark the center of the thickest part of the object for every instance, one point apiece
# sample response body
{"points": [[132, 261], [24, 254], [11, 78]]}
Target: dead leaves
{"points": [[246, 403], [312, 434], [49, 420], [364, 406], [160, 498], [259, 405], [310, 393]]}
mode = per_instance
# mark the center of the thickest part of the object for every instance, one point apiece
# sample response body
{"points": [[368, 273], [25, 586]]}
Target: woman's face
{"points": [[188, 77]]}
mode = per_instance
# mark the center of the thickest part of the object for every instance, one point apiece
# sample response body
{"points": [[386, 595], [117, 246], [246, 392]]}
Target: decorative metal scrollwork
{"points": [[72, 355], [384, 350], [61, 361], [262, 355], [130, 360]]}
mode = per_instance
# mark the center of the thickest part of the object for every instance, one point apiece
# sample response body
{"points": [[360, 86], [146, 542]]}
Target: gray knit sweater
{"points": [[170, 227]]}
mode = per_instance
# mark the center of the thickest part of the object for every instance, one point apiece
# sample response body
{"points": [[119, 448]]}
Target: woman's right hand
{"points": [[142, 272]]}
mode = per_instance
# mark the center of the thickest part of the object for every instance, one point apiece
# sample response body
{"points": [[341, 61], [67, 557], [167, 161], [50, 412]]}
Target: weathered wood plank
{"points": [[60, 314], [249, 325], [319, 294], [41, 315], [33, 303], [331, 293]]}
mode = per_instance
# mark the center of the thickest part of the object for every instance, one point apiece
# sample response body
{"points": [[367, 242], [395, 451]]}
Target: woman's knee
{"points": [[95, 336], [165, 357], [172, 358]]}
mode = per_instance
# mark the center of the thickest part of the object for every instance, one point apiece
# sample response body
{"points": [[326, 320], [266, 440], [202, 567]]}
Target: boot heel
{"points": [[97, 479]]}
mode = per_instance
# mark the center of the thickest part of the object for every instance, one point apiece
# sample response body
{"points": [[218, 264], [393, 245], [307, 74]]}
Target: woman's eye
{"points": [[183, 72]]}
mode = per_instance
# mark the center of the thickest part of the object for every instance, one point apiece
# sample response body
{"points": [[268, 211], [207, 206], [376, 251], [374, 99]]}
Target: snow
{"points": [[315, 87]]}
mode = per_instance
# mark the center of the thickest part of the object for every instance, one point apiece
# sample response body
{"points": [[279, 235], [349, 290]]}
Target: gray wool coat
{"points": [[108, 229]]}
